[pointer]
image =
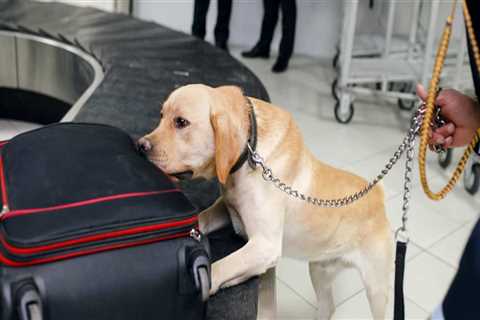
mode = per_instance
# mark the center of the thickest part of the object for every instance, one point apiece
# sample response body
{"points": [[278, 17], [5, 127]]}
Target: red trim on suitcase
{"points": [[3, 184], [21, 212], [98, 237], [11, 263]]}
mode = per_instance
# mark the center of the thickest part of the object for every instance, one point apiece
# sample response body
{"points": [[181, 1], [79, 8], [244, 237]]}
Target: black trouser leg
{"points": [[223, 21], [200, 10], [289, 20], [461, 301], [270, 18]]}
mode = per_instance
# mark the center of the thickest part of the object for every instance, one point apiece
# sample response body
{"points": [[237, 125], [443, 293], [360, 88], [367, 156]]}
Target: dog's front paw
{"points": [[216, 282], [214, 289]]}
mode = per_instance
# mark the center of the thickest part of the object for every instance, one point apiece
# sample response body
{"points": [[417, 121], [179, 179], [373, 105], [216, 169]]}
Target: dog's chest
{"points": [[243, 208], [233, 203]]}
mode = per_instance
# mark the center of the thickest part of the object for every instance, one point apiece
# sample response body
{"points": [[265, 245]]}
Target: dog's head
{"points": [[202, 132]]}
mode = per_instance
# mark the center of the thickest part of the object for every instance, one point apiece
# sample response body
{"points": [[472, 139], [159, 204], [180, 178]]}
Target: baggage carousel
{"points": [[65, 63]]}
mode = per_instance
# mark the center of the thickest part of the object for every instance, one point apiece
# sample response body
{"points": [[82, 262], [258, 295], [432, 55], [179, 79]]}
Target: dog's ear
{"points": [[227, 118]]}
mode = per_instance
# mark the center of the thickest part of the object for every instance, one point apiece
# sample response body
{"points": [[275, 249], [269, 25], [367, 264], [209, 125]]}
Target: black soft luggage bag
{"points": [[91, 230]]}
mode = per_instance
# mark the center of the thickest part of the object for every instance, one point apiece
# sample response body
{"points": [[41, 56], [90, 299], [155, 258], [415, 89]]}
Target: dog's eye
{"points": [[181, 123], [161, 115]]}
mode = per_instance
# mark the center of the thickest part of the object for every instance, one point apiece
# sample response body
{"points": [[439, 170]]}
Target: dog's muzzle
{"points": [[184, 175]]}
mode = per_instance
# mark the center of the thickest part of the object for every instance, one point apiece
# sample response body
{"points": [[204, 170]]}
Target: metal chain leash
{"points": [[406, 145], [437, 122], [410, 153]]}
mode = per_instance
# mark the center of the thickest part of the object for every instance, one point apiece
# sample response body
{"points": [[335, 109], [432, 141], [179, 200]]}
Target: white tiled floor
{"points": [[438, 230]]}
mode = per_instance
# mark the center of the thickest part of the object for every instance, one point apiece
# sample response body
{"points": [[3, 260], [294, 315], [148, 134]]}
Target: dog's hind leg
{"points": [[322, 274], [375, 263]]}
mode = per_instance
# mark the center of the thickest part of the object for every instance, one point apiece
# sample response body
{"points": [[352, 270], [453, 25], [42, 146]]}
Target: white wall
{"points": [[317, 27], [318, 24], [318, 21]]}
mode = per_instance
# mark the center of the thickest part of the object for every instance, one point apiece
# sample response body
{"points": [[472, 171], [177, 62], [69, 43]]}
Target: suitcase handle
{"points": [[29, 303]]}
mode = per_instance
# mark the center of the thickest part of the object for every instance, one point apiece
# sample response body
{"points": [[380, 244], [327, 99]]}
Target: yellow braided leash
{"points": [[430, 105]]}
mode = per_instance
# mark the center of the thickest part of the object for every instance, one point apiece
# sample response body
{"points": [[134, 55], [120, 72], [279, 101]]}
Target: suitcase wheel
{"points": [[34, 311], [29, 303], [201, 272], [204, 285]]}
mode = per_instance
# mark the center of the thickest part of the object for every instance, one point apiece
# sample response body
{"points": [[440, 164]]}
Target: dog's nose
{"points": [[144, 145]]}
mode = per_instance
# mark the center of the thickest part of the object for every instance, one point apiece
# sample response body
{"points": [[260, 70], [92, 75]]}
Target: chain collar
{"points": [[251, 142], [407, 145]]}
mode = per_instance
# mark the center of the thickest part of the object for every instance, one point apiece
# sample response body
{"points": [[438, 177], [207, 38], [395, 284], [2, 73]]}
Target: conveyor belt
{"points": [[143, 62]]}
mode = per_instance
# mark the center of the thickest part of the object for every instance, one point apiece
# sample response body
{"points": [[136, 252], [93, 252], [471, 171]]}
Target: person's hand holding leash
{"points": [[462, 114]]}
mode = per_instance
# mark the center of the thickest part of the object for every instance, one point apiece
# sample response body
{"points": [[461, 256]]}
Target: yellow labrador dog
{"points": [[204, 131]]}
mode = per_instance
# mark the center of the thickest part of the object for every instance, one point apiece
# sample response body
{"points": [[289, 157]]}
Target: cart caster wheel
{"points": [[445, 158], [406, 105], [334, 89], [343, 118], [204, 283], [336, 58], [471, 180]]}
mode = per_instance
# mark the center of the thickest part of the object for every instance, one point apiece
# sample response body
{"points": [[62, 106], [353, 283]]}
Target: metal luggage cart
{"points": [[471, 176], [393, 73], [358, 74], [372, 45]]}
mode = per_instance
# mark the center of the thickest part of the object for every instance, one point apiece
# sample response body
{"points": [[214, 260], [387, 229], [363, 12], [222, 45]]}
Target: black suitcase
{"points": [[91, 230]]}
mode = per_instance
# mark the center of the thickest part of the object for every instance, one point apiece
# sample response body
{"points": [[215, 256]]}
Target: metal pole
{"points": [[123, 6], [389, 32], [460, 61], [346, 49], [427, 61], [413, 29]]}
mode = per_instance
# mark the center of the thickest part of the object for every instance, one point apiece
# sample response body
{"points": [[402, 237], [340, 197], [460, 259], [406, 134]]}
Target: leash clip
{"points": [[254, 159], [402, 235]]}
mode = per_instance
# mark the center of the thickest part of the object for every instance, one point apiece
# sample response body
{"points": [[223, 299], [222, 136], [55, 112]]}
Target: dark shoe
{"points": [[222, 45], [280, 65], [256, 52]]}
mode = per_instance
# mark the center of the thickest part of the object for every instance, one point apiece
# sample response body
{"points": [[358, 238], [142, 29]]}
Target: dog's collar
{"points": [[252, 141]]}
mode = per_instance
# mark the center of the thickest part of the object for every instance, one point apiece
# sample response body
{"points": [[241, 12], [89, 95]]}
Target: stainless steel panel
{"points": [[8, 62], [48, 67], [51, 70]]}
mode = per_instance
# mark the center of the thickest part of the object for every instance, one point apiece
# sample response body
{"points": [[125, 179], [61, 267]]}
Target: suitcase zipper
{"points": [[3, 186], [187, 228], [20, 212], [195, 235], [12, 263]]}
